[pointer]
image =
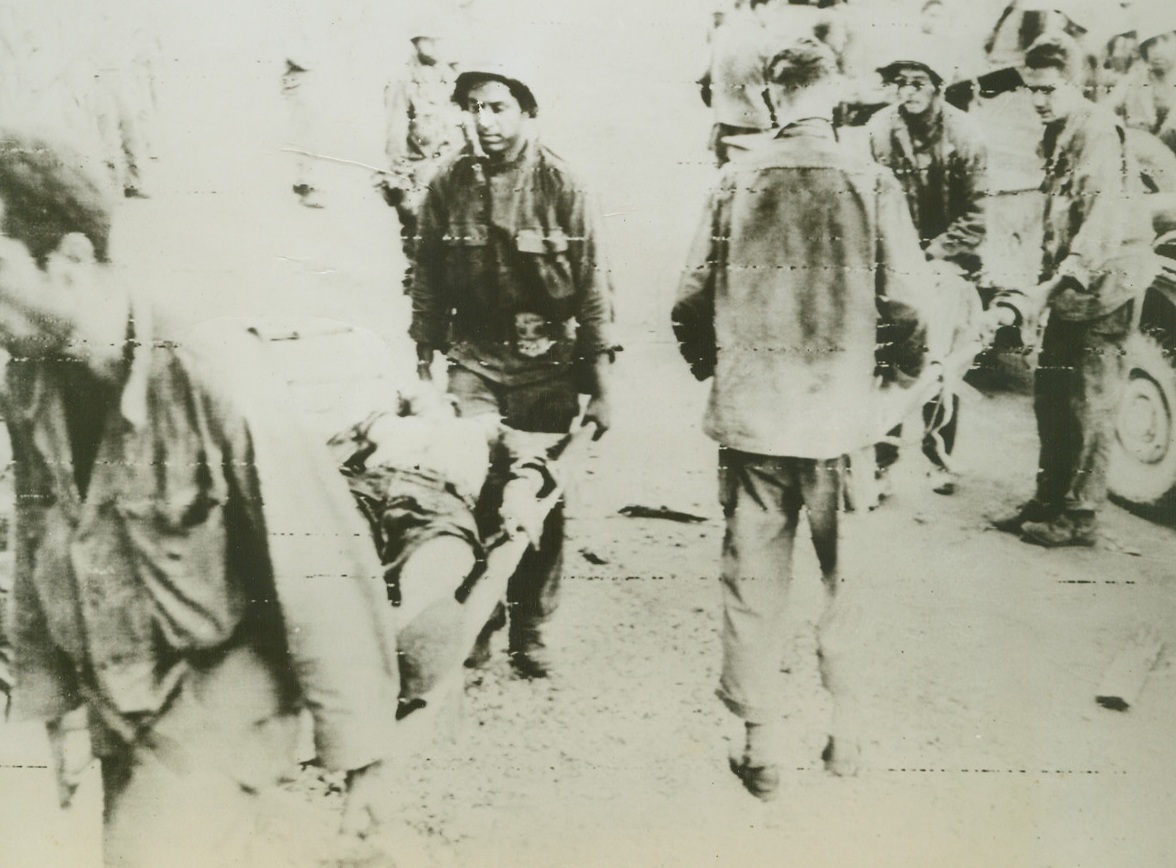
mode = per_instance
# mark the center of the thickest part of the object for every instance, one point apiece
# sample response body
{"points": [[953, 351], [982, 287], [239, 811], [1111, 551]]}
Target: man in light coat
{"points": [[801, 245]]}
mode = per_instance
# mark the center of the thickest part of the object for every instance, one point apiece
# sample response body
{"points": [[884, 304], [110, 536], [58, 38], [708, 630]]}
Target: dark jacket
{"points": [[509, 278], [944, 175]]}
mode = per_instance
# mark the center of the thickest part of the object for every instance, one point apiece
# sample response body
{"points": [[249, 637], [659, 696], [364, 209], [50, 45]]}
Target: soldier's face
{"points": [[1054, 96], [498, 117], [1160, 53], [915, 89]]}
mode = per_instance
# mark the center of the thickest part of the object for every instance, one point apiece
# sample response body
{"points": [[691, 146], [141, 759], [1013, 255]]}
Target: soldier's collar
{"points": [[810, 126]]}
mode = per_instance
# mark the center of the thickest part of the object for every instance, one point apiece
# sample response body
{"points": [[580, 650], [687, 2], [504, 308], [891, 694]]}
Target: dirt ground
{"points": [[977, 656]]}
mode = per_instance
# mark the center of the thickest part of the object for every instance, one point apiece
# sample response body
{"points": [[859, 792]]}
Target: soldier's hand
{"points": [[995, 318], [522, 512], [599, 413]]}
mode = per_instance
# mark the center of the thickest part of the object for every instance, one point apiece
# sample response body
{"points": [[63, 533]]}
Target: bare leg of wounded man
{"points": [[435, 636], [431, 635]]}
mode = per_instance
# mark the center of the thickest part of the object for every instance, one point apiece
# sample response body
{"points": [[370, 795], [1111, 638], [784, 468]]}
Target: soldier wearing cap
{"points": [[939, 157], [510, 285]]}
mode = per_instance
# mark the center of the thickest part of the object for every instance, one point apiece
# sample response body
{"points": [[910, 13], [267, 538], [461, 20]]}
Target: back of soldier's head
{"points": [[802, 64]]}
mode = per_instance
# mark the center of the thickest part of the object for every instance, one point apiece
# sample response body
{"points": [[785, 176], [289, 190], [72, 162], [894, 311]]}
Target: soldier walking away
{"points": [[1096, 263], [939, 158], [802, 243], [511, 286], [189, 571]]}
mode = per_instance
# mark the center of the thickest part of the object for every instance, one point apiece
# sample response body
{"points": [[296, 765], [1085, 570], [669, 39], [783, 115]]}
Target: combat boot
{"points": [[1030, 511], [528, 654], [758, 767], [479, 655], [1067, 529]]}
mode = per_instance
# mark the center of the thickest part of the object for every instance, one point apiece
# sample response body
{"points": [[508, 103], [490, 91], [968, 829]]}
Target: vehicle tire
{"points": [[1142, 469]]}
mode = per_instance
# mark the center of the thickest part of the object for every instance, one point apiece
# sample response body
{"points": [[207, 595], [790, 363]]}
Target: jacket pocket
{"points": [[465, 255], [181, 554], [544, 259]]}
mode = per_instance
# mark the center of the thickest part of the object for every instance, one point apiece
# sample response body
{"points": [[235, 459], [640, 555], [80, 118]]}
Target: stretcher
{"points": [[954, 341], [337, 374]]}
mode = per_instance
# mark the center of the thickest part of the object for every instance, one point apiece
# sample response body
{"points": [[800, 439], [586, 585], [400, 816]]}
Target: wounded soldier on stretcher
{"points": [[439, 491]]}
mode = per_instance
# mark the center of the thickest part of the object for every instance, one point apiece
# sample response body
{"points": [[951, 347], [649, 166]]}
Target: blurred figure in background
{"points": [[1147, 95], [121, 105], [424, 127], [938, 155], [298, 79], [1120, 55], [1019, 24], [734, 85], [311, 61], [1090, 23]]}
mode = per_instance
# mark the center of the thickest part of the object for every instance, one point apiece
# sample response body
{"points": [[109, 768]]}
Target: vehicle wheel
{"points": [[1142, 468]]}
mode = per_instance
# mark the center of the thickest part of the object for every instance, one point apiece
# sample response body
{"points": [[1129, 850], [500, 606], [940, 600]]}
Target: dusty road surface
{"points": [[978, 657]]}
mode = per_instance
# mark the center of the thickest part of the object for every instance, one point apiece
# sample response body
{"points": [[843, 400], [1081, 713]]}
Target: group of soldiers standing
{"points": [[806, 257]]}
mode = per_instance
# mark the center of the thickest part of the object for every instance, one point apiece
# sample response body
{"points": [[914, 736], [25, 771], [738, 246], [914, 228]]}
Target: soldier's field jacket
{"points": [[944, 176], [509, 279], [804, 249], [1097, 226], [207, 523]]}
